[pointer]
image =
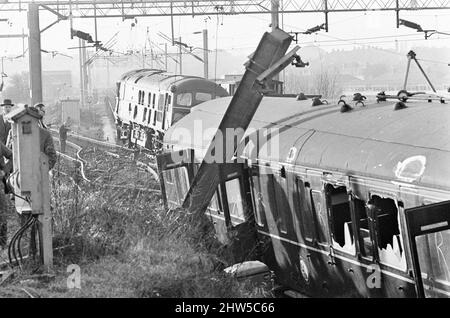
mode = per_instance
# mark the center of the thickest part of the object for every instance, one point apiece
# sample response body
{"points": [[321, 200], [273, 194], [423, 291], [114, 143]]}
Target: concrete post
{"points": [[34, 47]]}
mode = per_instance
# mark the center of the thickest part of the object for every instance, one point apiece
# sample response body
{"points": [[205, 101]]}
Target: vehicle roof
{"points": [[409, 145], [164, 81]]}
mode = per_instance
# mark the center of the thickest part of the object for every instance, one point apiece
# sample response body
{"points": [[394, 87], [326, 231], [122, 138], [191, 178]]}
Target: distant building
{"points": [[56, 84], [70, 111]]}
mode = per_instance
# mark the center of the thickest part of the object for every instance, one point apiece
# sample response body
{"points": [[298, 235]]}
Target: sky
{"points": [[238, 34]]}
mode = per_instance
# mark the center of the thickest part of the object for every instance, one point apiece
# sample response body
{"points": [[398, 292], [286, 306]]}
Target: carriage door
{"points": [[175, 176], [429, 235]]}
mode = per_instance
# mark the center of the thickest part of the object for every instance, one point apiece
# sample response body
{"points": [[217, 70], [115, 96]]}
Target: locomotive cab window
{"points": [[340, 216], [202, 97], [184, 99], [235, 201]]}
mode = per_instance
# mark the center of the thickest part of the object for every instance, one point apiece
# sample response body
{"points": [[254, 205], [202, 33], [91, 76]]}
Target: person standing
{"points": [[46, 139], [5, 126], [4, 204], [63, 136]]}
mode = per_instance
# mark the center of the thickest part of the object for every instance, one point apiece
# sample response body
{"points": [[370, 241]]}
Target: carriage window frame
{"points": [[307, 221], [174, 180], [150, 112], [334, 214], [258, 199], [233, 217], [281, 206], [144, 116], [317, 216]]}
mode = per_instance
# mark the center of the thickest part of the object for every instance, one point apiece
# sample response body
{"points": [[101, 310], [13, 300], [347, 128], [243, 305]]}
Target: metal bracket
{"points": [[59, 15], [278, 66]]}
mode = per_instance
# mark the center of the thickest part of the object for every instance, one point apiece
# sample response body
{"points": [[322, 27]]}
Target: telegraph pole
{"points": [[205, 53], [34, 47]]}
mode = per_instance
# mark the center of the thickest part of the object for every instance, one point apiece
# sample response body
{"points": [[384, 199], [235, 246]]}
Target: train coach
{"points": [[149, 101], [348, 204]]}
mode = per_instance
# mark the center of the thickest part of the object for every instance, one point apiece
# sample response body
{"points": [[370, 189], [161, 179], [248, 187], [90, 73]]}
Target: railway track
{"points": [[76, 144]]}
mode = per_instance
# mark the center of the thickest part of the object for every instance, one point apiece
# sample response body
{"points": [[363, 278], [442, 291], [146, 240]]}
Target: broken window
{"points": [[235, 201], [340, 215], [321, 216], [389, 240]]}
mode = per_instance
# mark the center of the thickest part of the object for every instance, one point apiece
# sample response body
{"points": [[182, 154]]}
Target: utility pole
{"points": [[275, 23], [34, 46], [205, 53], [80, 54], [165, 55], [181, 56]]}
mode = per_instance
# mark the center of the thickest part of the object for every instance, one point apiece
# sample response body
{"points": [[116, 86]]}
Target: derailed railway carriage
{"points": [[148, 101], [353, 204]]}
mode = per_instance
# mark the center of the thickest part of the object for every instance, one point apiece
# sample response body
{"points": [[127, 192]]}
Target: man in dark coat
{"points": [[63, 136], [5, 126], [47, 146], [4, 152]]}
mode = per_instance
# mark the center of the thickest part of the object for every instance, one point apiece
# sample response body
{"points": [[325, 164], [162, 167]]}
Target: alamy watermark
{"points": [[74, 278]]}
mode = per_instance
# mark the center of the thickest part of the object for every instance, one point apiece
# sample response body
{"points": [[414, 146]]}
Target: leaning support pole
{"points": [[238, 115], [34, 47], [426, 77], [407, 72]]}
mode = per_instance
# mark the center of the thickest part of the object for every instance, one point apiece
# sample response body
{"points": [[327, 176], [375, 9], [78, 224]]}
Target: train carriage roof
{"points": [[162, 80], [409, 145]]}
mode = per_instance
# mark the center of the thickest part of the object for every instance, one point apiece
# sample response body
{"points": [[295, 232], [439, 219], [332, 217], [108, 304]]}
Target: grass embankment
{"points": [[126, 243]]}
